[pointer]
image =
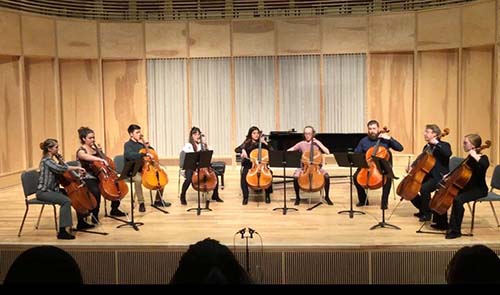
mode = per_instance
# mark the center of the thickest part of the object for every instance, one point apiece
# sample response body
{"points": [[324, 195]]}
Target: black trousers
{"points": [[244, 185], [457, 209], [189, 174], [386, 189], [422, 200], [93, 186], [296, 186]]}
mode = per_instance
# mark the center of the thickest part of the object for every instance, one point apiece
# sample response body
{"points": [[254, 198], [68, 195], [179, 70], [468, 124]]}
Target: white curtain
{"points": [[299, 92], [254, 91], [167, 105], [211, 101], [344, 93]]}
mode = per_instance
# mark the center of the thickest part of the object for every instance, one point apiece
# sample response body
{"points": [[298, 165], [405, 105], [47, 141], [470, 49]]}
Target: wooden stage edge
{"points": [[317, 246]]}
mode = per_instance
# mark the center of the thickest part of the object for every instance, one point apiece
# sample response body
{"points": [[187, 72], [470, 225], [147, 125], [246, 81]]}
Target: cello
{"points": [[409, 187], [310, 178], [451, 185], [153, 175], [111, 188], [371, 177], [259, 176], [81, 198], [206, 179]]}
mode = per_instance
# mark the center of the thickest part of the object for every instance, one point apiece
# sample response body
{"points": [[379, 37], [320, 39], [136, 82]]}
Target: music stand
{"points": [[195, 161], [284, 159], [349, 159], [386, 170], [129, 171]]}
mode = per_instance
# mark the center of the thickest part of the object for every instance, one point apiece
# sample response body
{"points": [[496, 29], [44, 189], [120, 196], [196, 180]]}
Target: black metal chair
{"points": [[491, 197], [29, 180]]}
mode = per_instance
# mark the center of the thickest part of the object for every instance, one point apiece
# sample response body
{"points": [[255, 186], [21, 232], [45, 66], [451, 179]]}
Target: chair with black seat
{"points": [[491, 197], [180, 174], [29, 180]]}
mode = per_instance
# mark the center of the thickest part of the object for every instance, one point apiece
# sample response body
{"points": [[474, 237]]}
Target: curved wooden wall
{"points": [[436, 66]]}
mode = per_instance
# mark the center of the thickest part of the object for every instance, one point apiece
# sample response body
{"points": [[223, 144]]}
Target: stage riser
{"points": [[276, 267]]}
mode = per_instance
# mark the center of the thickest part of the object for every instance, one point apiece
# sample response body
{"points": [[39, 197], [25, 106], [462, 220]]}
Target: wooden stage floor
{"points": [[321, 227], [304, 247]]}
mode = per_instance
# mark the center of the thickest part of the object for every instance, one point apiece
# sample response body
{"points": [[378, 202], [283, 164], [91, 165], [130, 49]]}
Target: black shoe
{"points": [[361, 204], [328, 201], [117, 212], [439, 226], [418, 214], [217, 199], [84, 225], [268, 199], [142, 208], [245, 201], [64, 235], [160, 203], [297, 201], [425, 217], [183, 200], [453, 235]]}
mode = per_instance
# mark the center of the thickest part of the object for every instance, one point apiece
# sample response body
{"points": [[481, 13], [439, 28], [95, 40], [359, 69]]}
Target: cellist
{"points": [[194, 144], [131, 153], [475, 189], [251, 142], [441, 151], [303, 146], [86, 154], [374, 133], [48, 187]]}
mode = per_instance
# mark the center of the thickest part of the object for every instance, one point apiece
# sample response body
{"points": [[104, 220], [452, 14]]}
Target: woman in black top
{"points": [[251, 142], [475, 189], [87, 154]]}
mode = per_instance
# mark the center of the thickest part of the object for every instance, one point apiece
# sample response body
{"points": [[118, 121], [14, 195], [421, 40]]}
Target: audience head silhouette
{"points": [[44, 264], [474, 265], [209, 262]]}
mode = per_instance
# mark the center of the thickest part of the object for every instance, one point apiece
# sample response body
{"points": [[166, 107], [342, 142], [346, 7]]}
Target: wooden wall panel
{"points": [[42, 107], [81, 103], [10, 30], [125, 101], [437, 96], [166, 40], [12, 147], [77, 39], [391, 32], [438, 29], [122, 40], [390, 94], [345, 34], [39, 38], [209, 39], [306, 30], [477, 100], [478, 24], [253, 38]]}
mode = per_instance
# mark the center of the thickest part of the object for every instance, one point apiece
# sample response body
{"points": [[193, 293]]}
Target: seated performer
{"points": [[251, 142], [387, 142], [131, 152], [303, 146], [441, 151], [475, 188], [48, 187], [195, 144]]}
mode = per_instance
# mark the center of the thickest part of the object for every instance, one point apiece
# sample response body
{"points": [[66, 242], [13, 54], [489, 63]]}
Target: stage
{"points": [[316, 246]]}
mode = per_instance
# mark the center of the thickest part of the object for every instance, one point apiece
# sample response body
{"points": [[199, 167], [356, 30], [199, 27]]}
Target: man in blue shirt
{"points": [[366, 143]]}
